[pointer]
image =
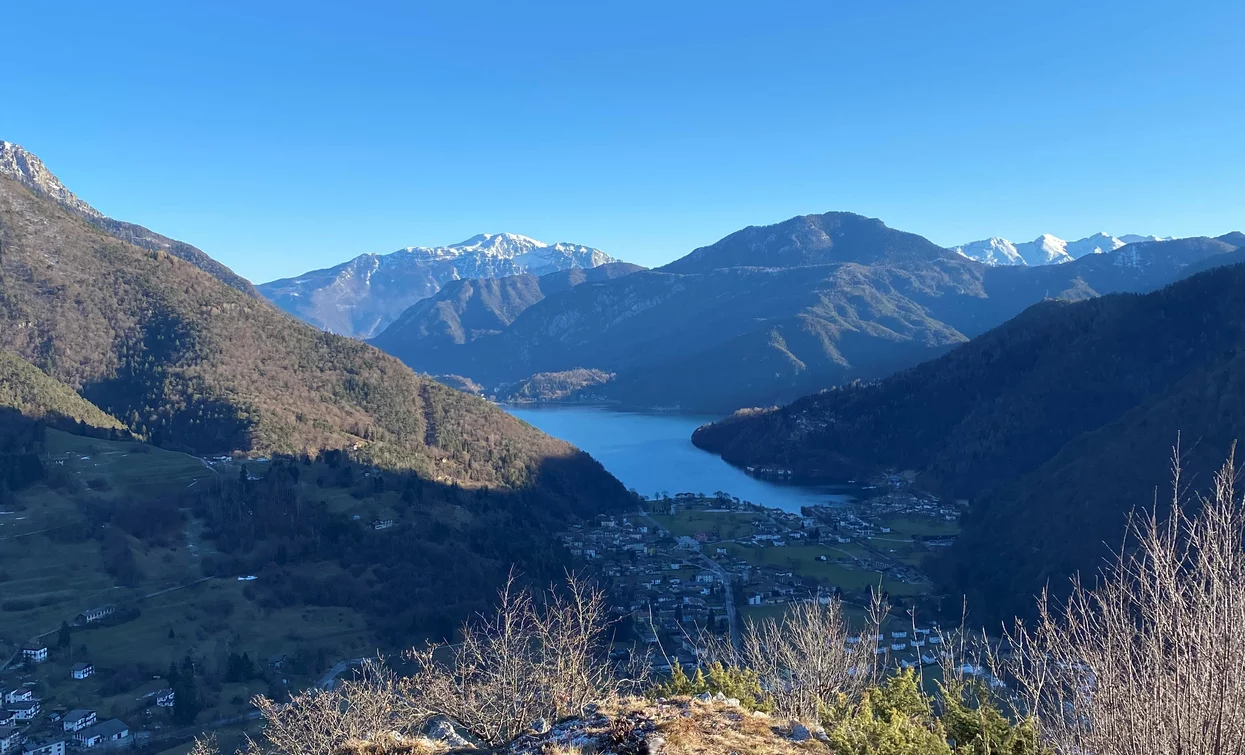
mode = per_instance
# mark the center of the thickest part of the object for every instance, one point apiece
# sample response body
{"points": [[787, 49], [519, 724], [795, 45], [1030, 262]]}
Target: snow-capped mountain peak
{"points": [[1046, 249], [363, 295], [991, 251]]}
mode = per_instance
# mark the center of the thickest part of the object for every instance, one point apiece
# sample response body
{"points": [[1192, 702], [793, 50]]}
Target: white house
{"points": [[10, 739], [166, 697], [706, 577], [81, 670], [898, 645], [754, 600], [46, 747], [19, 694], [898, 635], [25, 710], [37, 652], [78, 719], [112, 730]]}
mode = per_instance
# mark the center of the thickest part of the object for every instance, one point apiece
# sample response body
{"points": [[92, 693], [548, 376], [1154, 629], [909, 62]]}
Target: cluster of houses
{"points": [[22, 714], [665, 584]]}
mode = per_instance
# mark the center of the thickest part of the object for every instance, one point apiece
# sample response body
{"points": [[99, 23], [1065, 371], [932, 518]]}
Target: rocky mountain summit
{"points": [[27, 169]]}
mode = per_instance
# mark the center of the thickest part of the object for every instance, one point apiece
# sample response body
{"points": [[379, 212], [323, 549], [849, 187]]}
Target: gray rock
{"points": [[540, 726], [800, 733], [719, 698], [819, 732], [442, 730], [731, 702], [654, 745], [703, 697]]}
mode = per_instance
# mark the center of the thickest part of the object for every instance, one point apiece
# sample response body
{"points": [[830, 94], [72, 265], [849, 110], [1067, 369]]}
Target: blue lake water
{"points": [[654, 452]]}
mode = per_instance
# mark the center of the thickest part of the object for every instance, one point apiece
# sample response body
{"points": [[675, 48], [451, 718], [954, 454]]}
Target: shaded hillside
{"points": [[34, 394], [772, 313], [469, 309], [29, 170], [1067, 404], [194, 364]]}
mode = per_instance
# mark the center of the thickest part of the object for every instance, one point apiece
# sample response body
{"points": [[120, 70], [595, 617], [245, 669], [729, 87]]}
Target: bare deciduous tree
{"points": [[1151, 660], [321, 722], [808, 659], [526, 662]]}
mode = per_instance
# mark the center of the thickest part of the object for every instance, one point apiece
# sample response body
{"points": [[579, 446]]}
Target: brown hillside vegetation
{"points": [[197, 365], [32, 392]]}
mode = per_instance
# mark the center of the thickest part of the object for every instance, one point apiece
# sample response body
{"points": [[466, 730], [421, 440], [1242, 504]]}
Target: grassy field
{"points": [[129, 468], [728, 525], [802, 560], [919, 526]]}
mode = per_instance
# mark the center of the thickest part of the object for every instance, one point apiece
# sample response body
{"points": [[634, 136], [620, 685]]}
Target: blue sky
{"points": [[281, 137]]}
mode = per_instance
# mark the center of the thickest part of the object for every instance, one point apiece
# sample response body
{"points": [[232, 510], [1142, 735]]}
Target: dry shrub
{"points": [[1150, 661], [371, 707], [804, 661], [528, 661]]}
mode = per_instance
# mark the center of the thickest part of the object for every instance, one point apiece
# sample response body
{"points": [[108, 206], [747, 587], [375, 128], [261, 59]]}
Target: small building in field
{"points": [[166, 698], [82, 670], [94, 614], [102, 734]]}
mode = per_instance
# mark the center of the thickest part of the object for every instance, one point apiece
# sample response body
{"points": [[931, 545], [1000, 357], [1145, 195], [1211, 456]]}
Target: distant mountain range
{"points": [[28, 170], [1045, 249], [768, 314], [361, 297], [1054, 424]]}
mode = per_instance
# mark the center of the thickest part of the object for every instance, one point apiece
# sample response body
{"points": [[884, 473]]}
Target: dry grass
{"points": [[393, 745], [627, 726]]}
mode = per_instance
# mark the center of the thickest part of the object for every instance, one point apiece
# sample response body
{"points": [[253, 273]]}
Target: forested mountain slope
{"points": [[1067, 404], [31, 392], [192, 363], [465, 310]]}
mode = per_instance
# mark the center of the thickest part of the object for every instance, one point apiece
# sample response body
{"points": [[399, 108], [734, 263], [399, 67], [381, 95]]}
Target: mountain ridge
{"points": [[364, 295], [1047, 249], [27, 169], [771, 313]]}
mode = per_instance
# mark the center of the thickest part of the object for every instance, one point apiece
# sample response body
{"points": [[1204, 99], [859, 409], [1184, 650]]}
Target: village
{"points": [[32, 725], [686, 568]]}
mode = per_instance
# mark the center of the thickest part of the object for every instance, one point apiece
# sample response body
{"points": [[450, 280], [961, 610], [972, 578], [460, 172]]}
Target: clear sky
{"points": [[280, 137]]}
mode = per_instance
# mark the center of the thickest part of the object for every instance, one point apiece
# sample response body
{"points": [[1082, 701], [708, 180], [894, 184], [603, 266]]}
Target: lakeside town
{"points": [[687, 566]]}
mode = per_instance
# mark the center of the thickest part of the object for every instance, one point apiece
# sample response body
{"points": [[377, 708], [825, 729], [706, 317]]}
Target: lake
{"points": [[654, 452]]}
